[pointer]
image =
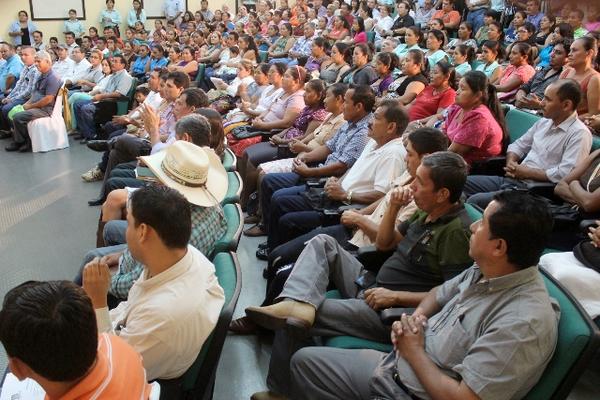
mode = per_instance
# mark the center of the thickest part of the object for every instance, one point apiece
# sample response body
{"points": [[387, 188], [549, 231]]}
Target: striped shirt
{"points": [[25, 84]]}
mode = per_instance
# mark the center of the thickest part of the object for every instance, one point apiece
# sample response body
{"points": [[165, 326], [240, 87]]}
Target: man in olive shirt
{"points": [[431, 247], [486, 334]]}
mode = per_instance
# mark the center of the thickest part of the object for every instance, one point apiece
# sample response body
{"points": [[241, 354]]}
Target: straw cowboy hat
{"points": [[196, 172]]}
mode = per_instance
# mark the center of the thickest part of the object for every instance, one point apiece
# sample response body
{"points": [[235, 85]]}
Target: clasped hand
{"points": [[334, 190], [408, 334]]}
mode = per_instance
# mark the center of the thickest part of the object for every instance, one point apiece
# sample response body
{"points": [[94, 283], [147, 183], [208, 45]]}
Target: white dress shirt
{"points": [[376, 167], [168, 317], [64, 68], [173, 7], [554, 149], [80, 69]]}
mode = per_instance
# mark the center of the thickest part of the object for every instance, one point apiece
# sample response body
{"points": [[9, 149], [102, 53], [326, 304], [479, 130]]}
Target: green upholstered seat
{"points": [[518, 122], [234, 188], [235, 222], [229, 160], [123, 104]]}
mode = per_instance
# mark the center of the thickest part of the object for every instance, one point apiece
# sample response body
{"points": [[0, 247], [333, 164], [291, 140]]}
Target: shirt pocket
{"points": [[452, 343]]}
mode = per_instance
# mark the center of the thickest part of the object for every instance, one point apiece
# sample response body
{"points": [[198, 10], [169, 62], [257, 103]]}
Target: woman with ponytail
{"points": [[437, 96], [475, 123], [518, 72]]}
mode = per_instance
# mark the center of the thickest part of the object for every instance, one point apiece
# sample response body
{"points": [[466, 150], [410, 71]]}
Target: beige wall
{"points": [[10, 8]]}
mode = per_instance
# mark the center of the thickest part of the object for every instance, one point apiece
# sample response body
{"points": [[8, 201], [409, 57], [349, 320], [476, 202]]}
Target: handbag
{"points": [[245, 132], [587, 254]]}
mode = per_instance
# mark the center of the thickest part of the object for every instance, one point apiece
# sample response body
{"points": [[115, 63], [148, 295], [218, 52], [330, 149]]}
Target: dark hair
{"points": [[529, 27], [389, 59], [251, 45], [51, 327], [56, 39], [394, 112], [418, 57], [234, 34], [499, 27], [523, 14], [447, 69], [418, 33], [344, 50], [589, 43], [298, 73], [180, 79], [121, 58], [495, 47], [159, 48], [565, 30], [568, 89], [166, 211], [428, 140], [263, 68], [23, 12], [493, 13], [217, 135], [361, 24], [478, 82], [524, 223], [338, 89], [439, 35], [280, 67], [75, 11], [344, 21], [70, 34], [197, 127], [364, 95], [447, 170], [363, 6], [318, 86], [195, 97], [143, 90], [288, 26], [525, 50], [42, 34], [467, 51], [469, 27], [321, 42]]}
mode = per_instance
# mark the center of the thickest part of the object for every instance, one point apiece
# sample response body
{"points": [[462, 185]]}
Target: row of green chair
{"points": [[578, 340]]}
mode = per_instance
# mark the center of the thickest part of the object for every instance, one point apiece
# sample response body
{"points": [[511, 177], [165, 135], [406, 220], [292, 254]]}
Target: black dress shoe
{"points": [[26, 148], [264, 245], [262, 254], [96, 202], [98, 145], [5, 135], [13, 147]]}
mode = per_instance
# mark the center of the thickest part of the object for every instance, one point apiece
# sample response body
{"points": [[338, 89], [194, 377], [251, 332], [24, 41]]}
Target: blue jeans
{"points": [[84, 114], [270, 184], [114, 232], [475, 18], [4, 121]]}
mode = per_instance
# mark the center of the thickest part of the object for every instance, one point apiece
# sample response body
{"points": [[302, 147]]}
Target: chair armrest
{"points": [[544, 189], [391, 315], [491, 166], [586, 224], [316, 182], [371, 258], [351, 207]]}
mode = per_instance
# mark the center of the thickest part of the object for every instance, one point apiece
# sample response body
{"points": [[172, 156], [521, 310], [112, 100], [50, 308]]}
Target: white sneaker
{"points": [[93, 175]]}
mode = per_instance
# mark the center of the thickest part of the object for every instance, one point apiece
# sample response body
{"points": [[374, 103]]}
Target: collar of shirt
{"points": [[176, 270], [565, 125], [360, 123], [504, 282], [443, 219]]}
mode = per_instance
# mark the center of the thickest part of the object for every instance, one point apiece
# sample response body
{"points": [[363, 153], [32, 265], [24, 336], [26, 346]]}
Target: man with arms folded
{"points": [[50, 335], [175, 303], [469, 338], [547, 152]]}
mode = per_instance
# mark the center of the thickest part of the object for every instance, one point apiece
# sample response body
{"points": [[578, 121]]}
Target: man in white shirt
{"points": [[383, 25], [175, 304], [70, 42], [173, 9], [64, 66], [81, 66]]}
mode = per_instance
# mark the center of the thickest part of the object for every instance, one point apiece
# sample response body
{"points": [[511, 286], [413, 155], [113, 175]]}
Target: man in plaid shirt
{"points": [[22, 90]]}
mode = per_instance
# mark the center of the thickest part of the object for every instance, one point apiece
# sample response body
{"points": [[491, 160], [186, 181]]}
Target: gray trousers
{"points": [[20, 121], [326, 373], [481, 189], [322, 261]]}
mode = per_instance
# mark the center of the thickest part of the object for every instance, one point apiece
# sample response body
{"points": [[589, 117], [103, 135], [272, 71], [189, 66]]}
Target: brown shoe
{"points": [[256, 230], [267, 396], [252, 219], [288, 313], [243, 326]]}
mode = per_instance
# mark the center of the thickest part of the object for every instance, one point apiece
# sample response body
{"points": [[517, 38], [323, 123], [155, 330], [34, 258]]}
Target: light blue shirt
{"points": [[173, 7], [132, 17], [113, 15], [13, 67], [74, 26], [436, 57], [16, 27]]}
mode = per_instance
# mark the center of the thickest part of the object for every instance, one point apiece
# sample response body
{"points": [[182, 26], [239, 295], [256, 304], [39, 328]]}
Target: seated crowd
{"points": [[354, 124]]}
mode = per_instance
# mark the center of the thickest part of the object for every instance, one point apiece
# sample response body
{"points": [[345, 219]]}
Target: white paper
{"points": [[28, 389]]}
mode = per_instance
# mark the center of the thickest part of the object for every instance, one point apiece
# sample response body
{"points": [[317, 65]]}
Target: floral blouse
{"points": [[307, 115]]}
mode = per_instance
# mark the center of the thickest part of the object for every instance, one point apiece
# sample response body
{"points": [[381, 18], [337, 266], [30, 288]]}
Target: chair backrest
{"points": [[58, 102], [234, 188], [518, 122], [124, 105], [229, 160], [371, 37], [474, 213], [235, 223], [198, 380], [595, 143], [578, 340]]}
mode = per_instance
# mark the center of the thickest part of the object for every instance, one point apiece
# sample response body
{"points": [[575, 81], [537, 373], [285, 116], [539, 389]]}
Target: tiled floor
{"points": [[46, 227]]}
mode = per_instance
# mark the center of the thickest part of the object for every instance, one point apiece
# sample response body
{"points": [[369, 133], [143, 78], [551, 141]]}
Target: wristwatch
{"points": [[349, 197]]}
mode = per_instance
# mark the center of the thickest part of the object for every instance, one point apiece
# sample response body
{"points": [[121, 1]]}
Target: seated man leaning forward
{"points": [[175, 303], [470, 338], [49, 332], [432, 247], [547, 152]]}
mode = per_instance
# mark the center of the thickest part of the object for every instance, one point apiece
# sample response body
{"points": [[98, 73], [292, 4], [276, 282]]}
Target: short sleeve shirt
{"points": [[349, 142], [295, 102], [427, 102], [477, 129], [48, 84]]}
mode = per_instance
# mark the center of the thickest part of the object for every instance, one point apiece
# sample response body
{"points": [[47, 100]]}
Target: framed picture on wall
{"points": [[154, 8], [44, 10]]}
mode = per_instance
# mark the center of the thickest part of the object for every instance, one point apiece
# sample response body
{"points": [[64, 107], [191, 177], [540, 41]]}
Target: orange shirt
{"points": [[451, 18], [117, 374]]}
